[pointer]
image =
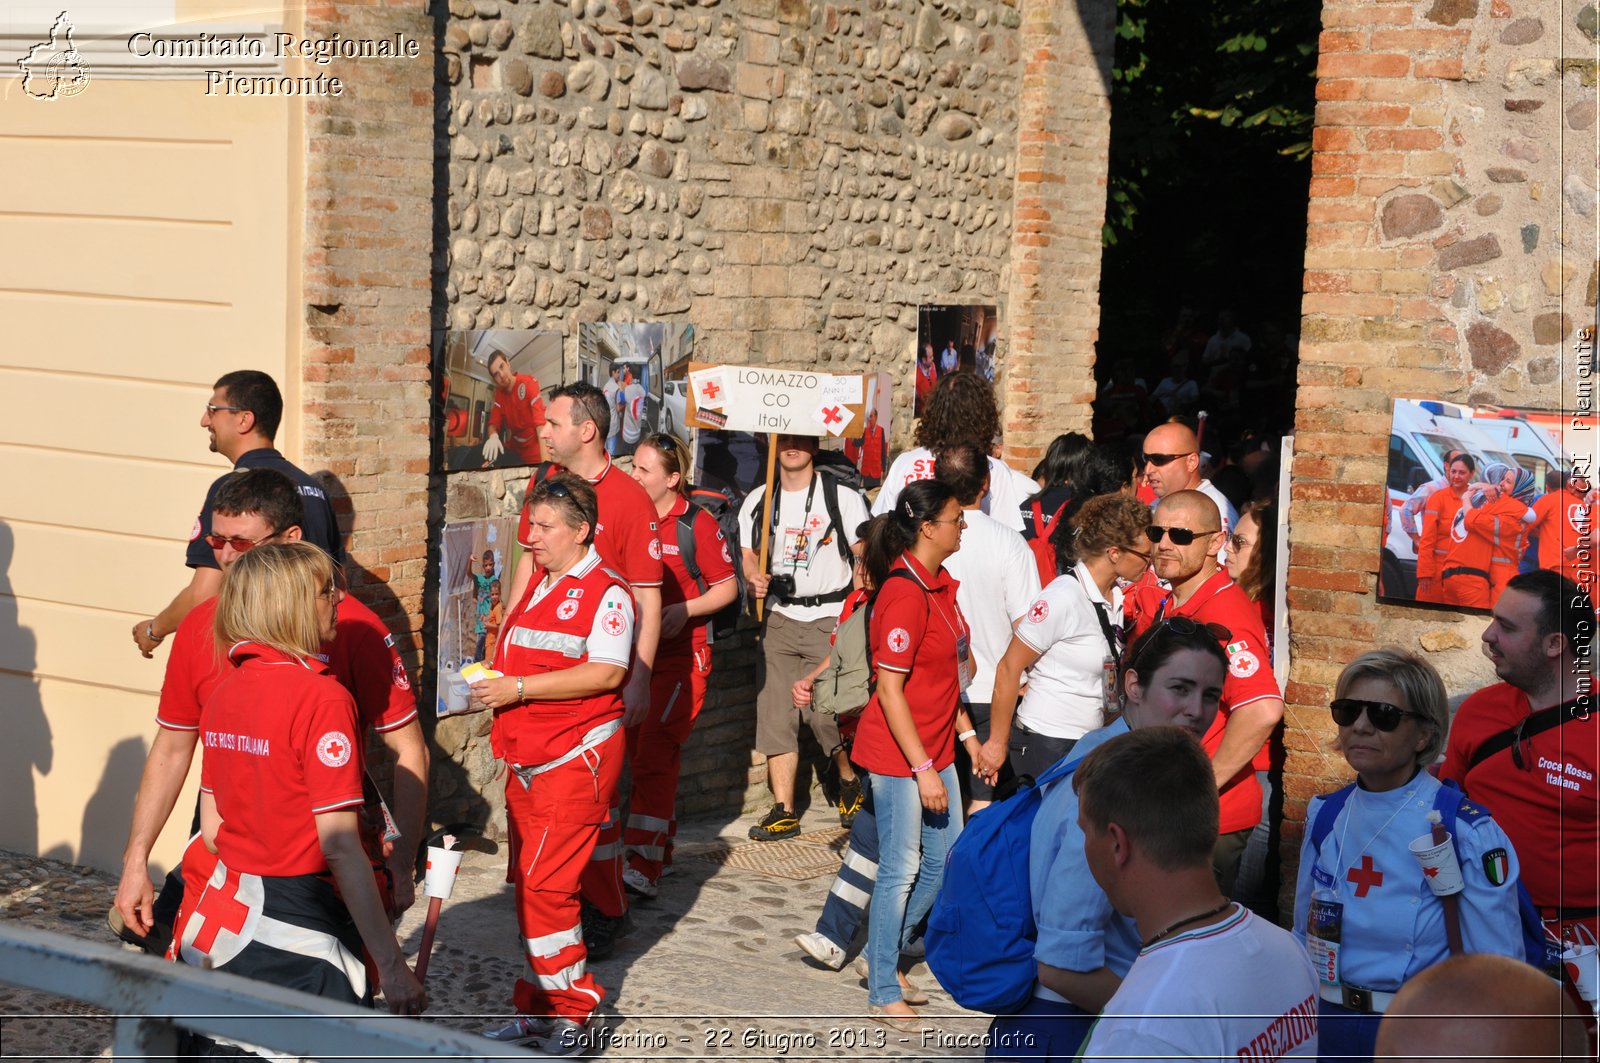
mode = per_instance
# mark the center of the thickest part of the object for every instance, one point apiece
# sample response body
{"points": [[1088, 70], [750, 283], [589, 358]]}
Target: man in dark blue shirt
{"points": [[241, 419]]}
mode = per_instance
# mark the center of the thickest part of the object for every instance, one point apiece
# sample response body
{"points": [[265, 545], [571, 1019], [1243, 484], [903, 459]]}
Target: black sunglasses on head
{"points": [[1178, 625], [1382, 715], [1180, 536]]}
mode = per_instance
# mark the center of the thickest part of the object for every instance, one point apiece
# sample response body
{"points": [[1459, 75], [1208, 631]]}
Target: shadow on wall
{"points": [[105, 817], [447, 778], [28, 745]]}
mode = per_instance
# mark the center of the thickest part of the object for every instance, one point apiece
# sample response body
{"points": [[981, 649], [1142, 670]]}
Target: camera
{"points": [[781, 587]]}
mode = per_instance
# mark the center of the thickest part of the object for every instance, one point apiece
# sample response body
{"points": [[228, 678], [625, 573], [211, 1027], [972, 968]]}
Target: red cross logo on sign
{"points": [[220, 909], [709, 392], [1365, 877], [613, 623], [831, 415]]}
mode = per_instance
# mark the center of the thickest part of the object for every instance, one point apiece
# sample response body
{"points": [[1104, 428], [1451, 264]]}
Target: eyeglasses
{"points": [[330, 592], [1180, 536], [1236, 542], [212, 408], [951, 520], [1178, 625], [1135, 553], [239, 543], [1159, 460], [1382, 715]]}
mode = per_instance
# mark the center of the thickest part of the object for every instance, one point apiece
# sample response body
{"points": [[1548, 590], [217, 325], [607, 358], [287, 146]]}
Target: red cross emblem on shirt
{"points": [[220, 909], [1365, 877], [831, 415], [710, 391], [613, 622], [1038, 613]]}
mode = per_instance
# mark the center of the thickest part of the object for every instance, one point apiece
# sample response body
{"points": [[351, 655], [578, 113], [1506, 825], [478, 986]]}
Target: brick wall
{"points": [[366, 299], [792, 178], [1450, 254]]}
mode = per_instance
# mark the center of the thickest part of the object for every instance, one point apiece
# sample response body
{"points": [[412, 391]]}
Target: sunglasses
{"points": [[556, 489], [1382, 715], [1136, 553], [1180, 536], [1178, 625], [239, 543], [1158, 460]]}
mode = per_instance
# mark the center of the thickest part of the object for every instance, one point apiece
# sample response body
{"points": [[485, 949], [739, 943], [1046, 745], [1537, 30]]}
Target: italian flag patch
{"points": [[1496, 866]]}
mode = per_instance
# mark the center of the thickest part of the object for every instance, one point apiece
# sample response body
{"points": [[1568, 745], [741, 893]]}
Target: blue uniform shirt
{"points": [[1393, 925], [320, 526], [1078, 928]]}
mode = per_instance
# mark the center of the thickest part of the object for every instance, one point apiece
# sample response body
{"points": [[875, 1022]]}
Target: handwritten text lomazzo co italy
{"points": [[280, 46]]}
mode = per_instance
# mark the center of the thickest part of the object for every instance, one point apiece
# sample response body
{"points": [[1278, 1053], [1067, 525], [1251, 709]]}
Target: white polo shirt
{"points": [[999, 580], [1008, 488], [1066, 685]]}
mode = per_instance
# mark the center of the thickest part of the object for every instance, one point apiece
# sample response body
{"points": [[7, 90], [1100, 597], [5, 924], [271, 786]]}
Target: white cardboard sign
{"points": [[791, 401]]}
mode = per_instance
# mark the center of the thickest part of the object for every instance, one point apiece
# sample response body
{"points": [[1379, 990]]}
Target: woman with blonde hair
{"points": [[291, 898]]}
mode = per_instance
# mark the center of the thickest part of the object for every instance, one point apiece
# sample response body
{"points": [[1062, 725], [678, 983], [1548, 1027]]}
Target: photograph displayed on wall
{"points": [[1479, 494], [476, 560], [953, 338], [643, 369], [490, 384], [870, 453]]}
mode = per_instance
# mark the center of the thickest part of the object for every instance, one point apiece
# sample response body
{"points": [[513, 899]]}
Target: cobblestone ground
{"points": [[710, 970]]}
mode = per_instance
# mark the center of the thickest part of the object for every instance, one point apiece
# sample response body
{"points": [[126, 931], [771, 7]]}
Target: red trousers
{"points": [[553, 827], [1474, 592], [655, 749]]}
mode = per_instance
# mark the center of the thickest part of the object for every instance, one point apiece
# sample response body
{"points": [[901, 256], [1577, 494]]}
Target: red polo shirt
{"points": [[361, 657], [711, 556], [282, 745], [1249, 679], [1550, 807], [914, 627], [626, 534]]}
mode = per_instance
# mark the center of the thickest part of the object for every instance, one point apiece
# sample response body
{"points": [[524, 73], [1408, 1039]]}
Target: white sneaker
{"points": [[822, 950], [634, 880], [521, 1030], [568, 1037]]}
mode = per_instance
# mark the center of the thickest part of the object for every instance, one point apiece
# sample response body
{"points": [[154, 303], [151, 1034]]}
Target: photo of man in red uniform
{"points": [[517, 415], [870, 453]]}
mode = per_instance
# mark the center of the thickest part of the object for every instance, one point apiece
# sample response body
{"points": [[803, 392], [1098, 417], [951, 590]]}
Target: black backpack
{"points": [[724, 509], [834, 477]]}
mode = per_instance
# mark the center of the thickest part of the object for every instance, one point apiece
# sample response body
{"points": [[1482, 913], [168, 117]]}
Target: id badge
{"points": [[964, 669], [1108, 684], [1323, 928]]}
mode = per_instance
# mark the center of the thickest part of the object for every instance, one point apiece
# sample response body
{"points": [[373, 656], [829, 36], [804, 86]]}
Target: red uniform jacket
{"points": [[517, 415]]}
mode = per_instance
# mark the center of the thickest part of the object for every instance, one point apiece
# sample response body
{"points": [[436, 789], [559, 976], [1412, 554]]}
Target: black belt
{"points": [[812, 600], [1480, 573]]}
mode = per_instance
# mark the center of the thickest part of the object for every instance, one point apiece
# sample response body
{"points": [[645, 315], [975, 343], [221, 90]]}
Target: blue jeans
{"points": [[912, 845]]}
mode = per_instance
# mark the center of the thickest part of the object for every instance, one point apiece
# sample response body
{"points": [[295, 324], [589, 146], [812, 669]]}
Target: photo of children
{"points": [[476, 561], [952, 339], [490, 389]]}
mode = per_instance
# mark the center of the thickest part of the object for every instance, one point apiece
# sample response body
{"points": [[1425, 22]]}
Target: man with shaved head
{"points": [[1172, 463], [1481, 1006], [1186, 534]]}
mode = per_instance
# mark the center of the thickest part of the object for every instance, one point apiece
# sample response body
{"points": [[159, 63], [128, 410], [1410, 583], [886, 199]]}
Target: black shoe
{"points": [[601, 931], [850, 800], [780, 823], [155, 942]]}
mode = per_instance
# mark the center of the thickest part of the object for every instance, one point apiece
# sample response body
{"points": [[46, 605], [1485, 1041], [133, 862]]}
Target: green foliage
{"points": [[1186, 68]]}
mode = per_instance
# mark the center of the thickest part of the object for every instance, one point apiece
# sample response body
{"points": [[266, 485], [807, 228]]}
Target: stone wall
{"points": [[1451, 253], [792, 178]]}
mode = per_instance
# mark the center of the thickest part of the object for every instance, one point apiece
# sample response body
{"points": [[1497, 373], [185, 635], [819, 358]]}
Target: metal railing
{"points": [[150, 1000]]}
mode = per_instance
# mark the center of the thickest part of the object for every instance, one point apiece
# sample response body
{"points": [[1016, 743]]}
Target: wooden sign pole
{"points": [[767, 503]]}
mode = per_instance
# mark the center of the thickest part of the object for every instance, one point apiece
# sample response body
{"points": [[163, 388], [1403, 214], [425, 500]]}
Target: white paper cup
{"points": [[1438, 863], [440, 878], [457, 693], [1583, 967]]}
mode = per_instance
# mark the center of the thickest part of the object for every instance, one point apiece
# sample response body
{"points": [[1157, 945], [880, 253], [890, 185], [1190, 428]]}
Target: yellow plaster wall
{"points": [[151, 238]]}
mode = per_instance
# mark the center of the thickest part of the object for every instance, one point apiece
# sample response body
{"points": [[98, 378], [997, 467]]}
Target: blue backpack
{"points": [[1537, 947], [981, 933]]}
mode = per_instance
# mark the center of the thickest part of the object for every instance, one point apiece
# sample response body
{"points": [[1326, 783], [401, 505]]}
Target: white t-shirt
{"points": [[1239, 989], [612, 389], [1066, 686], [999, 580], [804, 545], [632, 410], [1008, 488]]}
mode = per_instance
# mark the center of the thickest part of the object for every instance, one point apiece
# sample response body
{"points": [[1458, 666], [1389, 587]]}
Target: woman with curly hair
{"points": [[961, 409]]}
